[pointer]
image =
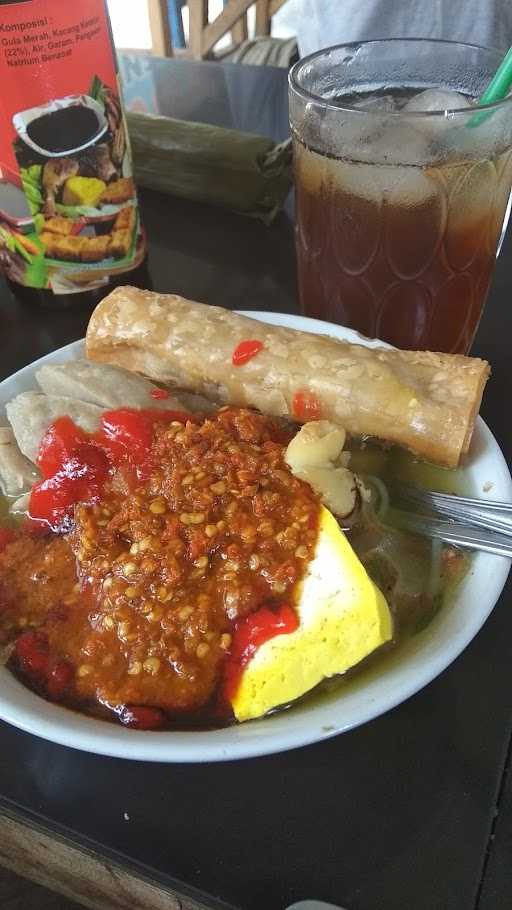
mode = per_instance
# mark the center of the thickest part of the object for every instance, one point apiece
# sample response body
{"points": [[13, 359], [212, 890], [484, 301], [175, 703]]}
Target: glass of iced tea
{"points": [[402, 188]]}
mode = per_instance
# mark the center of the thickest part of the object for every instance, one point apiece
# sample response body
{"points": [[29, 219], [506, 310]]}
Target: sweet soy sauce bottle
{"points": [[70, 228]]}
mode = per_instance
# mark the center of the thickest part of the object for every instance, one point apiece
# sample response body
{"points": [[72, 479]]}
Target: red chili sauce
{"points": [[245, 351], [161, 552]]}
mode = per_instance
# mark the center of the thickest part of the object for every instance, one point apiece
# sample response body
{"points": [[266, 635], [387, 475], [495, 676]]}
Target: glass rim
{"points": [[307, 95]]}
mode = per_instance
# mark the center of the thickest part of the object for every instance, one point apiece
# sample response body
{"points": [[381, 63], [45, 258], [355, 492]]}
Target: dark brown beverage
{"points": [[405, 254], [402, 188]]}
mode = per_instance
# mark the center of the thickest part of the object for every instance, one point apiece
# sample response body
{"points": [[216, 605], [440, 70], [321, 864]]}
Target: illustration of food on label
{"points": [[68, 206]]}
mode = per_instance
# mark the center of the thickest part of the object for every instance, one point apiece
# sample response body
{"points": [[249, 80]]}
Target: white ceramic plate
{"points": [[366, 696]]}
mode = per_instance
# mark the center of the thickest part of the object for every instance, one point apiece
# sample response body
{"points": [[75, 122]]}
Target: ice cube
{"points": [[407, 187], [436, 99], [399, 143], [346, 134], [438, 129], [379, 104]]}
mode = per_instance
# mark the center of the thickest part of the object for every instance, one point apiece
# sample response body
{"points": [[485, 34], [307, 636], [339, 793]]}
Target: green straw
{"points": [[497, 89]]}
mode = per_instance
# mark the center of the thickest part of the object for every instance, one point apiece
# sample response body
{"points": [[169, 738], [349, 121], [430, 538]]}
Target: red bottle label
{"points": [[68, 207]]}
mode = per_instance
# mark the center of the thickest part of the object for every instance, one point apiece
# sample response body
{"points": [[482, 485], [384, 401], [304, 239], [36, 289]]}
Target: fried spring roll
{"points": [[423, 401]]}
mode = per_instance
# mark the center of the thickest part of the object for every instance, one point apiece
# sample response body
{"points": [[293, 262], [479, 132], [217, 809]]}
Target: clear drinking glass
{"points": [[400, 212]]}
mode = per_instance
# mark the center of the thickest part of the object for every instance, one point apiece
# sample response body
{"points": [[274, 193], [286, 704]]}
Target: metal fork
{"points": [[466, 516]]}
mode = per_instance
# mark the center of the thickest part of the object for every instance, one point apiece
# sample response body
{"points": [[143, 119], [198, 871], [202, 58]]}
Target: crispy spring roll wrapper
{"points": [[423, 401]]}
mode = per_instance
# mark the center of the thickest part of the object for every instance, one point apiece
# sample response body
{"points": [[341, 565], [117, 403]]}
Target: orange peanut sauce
{"points": [[133, 611]]}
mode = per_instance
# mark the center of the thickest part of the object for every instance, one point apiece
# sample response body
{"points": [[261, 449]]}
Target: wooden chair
{"points": [[160, 25], [204, 35], [165, 20]]}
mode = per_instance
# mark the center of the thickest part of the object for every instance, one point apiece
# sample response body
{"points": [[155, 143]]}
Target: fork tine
{"points": [[452, 499], [470, 511], [451, 532]]}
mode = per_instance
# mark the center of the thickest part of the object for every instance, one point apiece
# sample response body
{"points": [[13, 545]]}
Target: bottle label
{"points": [[69, 218]]}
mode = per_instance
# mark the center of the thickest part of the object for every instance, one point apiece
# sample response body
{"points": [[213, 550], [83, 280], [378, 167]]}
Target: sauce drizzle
{"points": [[245, 351]]}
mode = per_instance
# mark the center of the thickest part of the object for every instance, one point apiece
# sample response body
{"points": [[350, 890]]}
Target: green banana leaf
{"points": [[242, 172]]}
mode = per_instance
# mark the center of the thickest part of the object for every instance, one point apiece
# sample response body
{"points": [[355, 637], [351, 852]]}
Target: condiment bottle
{"points": [[70, 228]]}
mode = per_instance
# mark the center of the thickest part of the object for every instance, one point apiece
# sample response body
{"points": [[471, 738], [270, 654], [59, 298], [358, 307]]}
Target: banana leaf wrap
{"points": [[245, 173]]}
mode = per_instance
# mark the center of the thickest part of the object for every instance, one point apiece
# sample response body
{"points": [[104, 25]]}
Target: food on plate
{"points": [[83, 191], [59, 225], [55, 174], [126, 219], [16, 472], [31, 413], [114, 112], [118, 191], [172, 560], [315, 455], [84, 248], [120, 243], [59, 247], [19, 507], [102, 385], [342, 617], [97, 162], [61, 241], [178, 543], [69, 388], [95, 249], [423, 401]]}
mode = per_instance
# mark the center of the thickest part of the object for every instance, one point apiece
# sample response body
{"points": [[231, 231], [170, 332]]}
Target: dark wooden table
{"points": [[410, 811]]}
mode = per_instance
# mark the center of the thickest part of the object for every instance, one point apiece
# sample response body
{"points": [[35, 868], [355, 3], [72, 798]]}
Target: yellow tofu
{"points": [[83, 191], [343, 618]]}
